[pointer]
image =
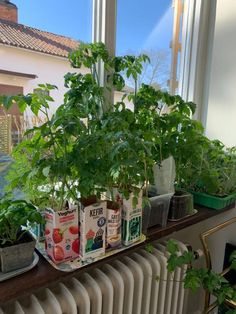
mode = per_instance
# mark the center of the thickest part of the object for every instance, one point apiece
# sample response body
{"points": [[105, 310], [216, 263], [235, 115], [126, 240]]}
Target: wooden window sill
{"points": [[45, 275]]}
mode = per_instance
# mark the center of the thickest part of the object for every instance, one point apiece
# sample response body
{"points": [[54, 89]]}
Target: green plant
{"points": [[13, 215], [47, 172], [166, 120], [19, 178], [216, 171], [86, 146], [195, 278]]}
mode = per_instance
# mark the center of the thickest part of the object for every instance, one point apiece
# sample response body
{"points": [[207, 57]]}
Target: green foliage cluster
{"points": [[89, 146], [84, 148], [195, 278], [215, 173], [167, 119], [13, 215]]}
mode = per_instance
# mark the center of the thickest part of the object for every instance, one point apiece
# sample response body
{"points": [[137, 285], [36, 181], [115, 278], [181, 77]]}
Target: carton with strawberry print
{"points": [[62, 234]]}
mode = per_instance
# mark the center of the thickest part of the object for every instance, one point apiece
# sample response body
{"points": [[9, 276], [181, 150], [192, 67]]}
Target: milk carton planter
{"points": [[113, 236], [131, 220], [92, 228], [62, 234]]}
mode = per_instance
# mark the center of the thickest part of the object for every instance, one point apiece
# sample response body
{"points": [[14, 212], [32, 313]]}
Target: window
{"points": [[152, 27]]}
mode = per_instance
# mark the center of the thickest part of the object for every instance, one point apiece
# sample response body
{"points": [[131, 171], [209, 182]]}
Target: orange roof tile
{"points": [[26, 37]]}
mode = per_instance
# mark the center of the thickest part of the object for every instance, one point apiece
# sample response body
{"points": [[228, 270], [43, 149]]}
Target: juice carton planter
{"points": [[62, 234], [131, 218], [113, 239], [92, 230]]}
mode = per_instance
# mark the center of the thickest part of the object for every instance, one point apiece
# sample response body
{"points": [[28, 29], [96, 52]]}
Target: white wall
{"points": [[118, 97], [221, 111], [49, 69]]}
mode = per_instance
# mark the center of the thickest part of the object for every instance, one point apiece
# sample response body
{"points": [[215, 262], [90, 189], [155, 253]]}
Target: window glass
{"points": [[148, 27]]}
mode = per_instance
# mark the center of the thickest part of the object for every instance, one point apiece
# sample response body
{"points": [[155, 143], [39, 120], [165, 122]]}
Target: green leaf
{"points": [[149, 248], [46, 171], [172, 246]]}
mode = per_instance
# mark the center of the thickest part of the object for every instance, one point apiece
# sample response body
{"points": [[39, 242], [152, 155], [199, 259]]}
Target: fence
{"points": [[5, 134]]}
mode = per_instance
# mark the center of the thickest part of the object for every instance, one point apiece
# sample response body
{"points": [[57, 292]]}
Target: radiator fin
{"points": [[80, 295], [147, 282], [118, 286], [65, 299], [128, 279], [138, 286]]}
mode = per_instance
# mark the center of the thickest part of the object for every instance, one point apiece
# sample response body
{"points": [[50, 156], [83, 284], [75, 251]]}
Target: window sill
{"points": [[44, 274]]}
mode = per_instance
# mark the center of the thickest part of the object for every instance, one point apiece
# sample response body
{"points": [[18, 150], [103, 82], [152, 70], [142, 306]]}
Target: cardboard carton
{"points": [[62, 234], [92, 230]]}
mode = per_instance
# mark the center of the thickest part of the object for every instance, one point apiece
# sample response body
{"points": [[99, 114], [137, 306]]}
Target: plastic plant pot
{"points": [[181, 205]]}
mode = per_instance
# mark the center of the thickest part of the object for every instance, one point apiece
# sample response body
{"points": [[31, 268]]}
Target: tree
{"points": [[156, 71]]}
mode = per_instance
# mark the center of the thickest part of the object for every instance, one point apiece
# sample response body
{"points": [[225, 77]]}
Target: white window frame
{"points": [[104, 30], [197, 44], [196, 49]]}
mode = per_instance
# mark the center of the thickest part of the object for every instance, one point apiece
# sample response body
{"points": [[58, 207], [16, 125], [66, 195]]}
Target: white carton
{"points": [[62, 234], [92, 230], [131, 218], [113, 237]]}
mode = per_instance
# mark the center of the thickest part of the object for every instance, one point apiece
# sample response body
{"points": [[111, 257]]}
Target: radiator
{"points": [[138, 283]]}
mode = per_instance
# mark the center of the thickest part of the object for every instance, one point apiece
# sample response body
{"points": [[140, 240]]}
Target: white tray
{"points": [[10, 274], [78, 263]]}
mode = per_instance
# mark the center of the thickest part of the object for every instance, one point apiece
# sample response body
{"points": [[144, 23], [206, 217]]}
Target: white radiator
{"points": [[128, 285]]}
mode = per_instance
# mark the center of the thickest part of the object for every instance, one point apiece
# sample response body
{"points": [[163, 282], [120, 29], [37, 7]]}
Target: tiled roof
{"points": [[26, 37]]}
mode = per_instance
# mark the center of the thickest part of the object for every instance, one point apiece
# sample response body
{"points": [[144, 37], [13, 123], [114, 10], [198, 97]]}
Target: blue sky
{"points": [[140, 24]]}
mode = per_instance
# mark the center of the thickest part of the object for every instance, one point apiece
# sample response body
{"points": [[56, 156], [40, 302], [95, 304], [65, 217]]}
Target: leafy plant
{"points": [[13, 215], [45, 154], [166, 121], [86, 146], [195, 278], [216, 171]]}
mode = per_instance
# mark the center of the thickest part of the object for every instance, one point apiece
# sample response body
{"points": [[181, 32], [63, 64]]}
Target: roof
{"points": [[18, 35]]}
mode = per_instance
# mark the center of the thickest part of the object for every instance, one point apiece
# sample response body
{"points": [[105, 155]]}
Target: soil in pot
{"points": [[181, 205]]}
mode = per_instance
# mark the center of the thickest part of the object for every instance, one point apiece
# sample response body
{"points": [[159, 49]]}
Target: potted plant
{"points": [[16, 243], [86, 147], [178, 141], [215, 177], [114, 154], [48, 176]]}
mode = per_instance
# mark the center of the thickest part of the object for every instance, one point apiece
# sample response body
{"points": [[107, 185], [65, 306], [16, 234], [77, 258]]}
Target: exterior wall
{"points": [[221, 111], [118, 97], [49, 69]]}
